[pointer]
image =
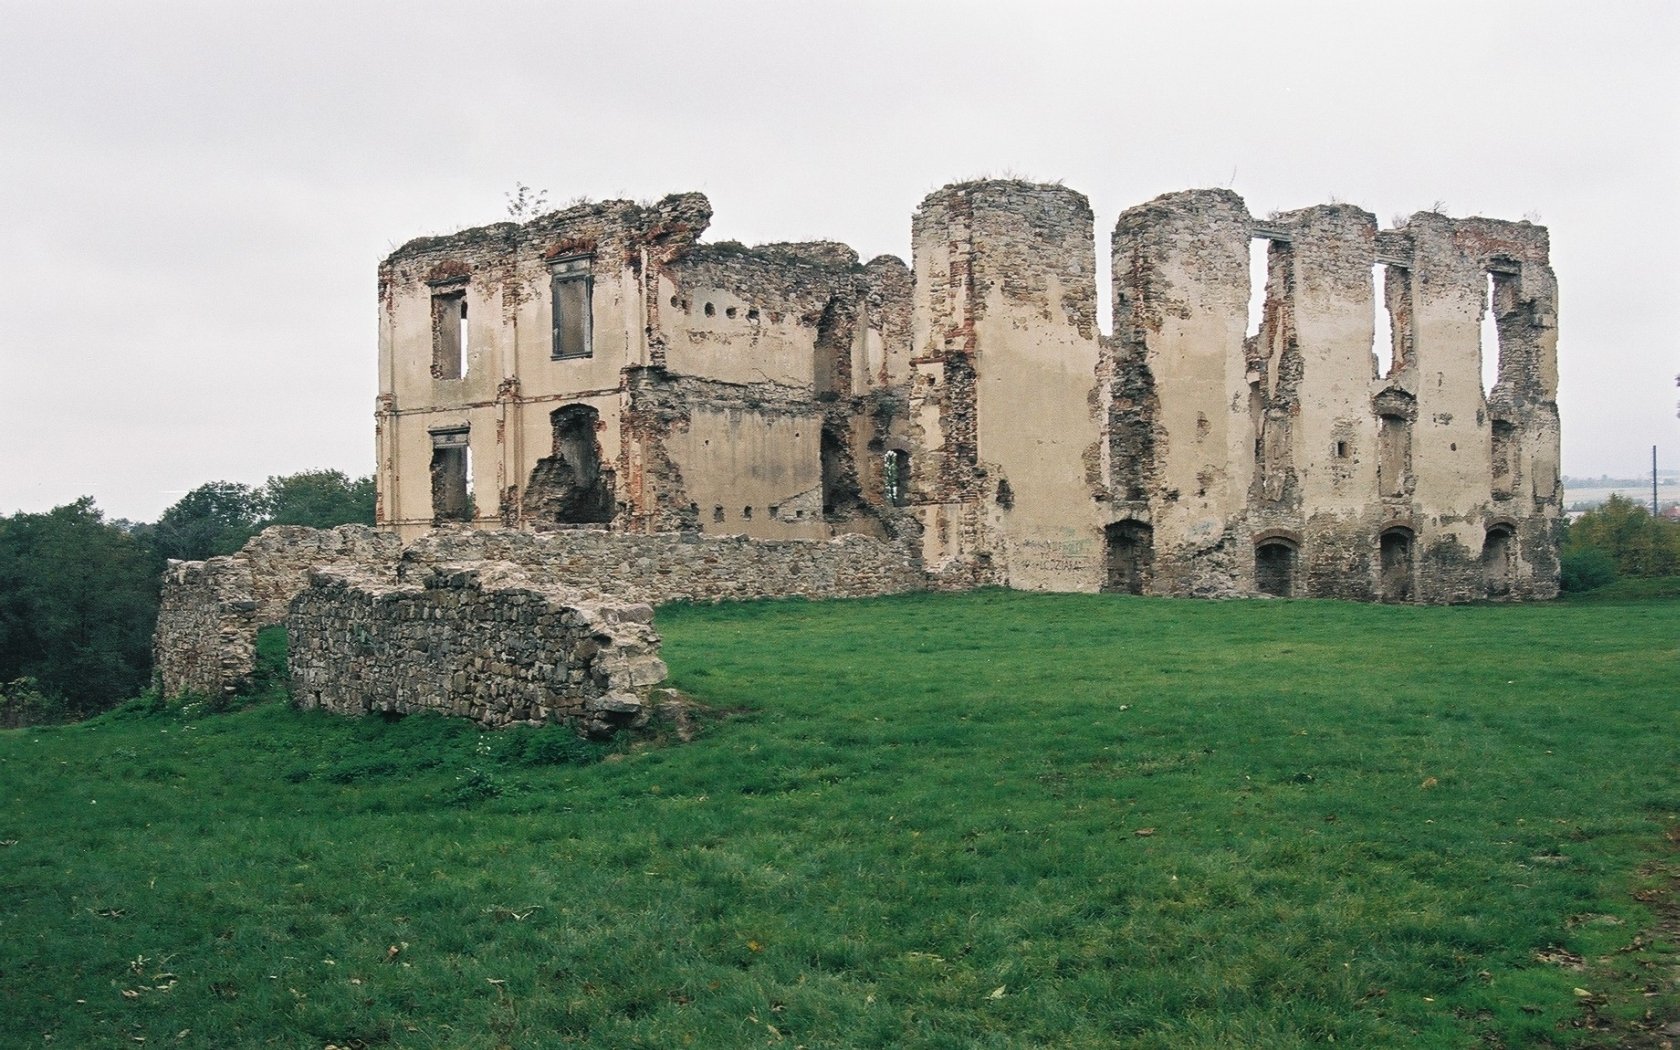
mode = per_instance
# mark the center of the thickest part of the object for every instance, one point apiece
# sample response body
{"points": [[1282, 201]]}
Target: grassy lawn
{"points": [[984, 820]]}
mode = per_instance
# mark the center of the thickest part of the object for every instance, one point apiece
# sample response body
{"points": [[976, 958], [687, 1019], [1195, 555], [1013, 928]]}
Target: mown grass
{"points": [[987, 820]]}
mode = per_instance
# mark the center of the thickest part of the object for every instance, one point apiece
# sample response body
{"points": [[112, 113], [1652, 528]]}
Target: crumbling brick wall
{"points": [[479, 640]]}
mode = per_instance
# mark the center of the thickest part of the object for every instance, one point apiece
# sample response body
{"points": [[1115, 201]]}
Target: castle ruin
{"points": [[594, 412], [604, 367]]}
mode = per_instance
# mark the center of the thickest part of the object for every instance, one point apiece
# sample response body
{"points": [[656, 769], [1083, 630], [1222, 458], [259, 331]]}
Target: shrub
{"points": [[22, 703], [1585, 568]]}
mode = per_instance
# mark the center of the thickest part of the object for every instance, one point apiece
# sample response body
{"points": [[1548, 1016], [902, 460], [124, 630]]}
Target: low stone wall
{"points": [[686, 566], [480, 641], [212, 610]]}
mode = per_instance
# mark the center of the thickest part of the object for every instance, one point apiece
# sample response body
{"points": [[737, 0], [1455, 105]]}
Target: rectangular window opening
{"points": [[1259, 250], [451, 476], [1489, 339], [1382, 334], [570, 290], [449, 334]]}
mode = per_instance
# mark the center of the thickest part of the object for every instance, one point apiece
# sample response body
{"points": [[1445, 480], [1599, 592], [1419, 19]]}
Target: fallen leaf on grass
{"points": [[1559, 957], [997, 993]]}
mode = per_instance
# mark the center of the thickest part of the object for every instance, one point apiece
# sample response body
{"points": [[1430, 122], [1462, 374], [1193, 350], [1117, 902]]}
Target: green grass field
{"points": [[983, 820]]}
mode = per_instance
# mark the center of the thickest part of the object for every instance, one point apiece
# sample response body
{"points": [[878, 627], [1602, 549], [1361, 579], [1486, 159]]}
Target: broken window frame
{"points": [[564, 274]]}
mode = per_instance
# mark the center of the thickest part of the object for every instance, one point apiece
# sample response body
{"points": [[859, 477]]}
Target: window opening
{"points": [[1259, 253], [1488, 339], [449, 334], [1382, 332], [451, 476], [1394, 438], [570, 287], [1131, 557], [1504, 466], [1274, 568], [896, 477]]}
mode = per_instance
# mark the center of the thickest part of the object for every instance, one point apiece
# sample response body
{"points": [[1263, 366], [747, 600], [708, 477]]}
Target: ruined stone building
{"points": [[603, 367], [609, 413]]}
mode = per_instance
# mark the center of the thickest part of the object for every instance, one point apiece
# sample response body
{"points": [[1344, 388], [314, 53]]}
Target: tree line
{"points": [[79, 592]]}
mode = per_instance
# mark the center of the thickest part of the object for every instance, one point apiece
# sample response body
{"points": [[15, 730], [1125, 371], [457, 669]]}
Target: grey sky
{"points": [[194, 197]]}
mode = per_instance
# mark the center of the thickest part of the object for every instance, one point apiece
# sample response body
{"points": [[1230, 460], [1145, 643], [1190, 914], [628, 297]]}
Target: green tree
{"points": [[215, 518], [1625, 531], [78, 600], [318, 498]]}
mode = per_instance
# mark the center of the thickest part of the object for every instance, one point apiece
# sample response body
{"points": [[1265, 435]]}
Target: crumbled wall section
{"points": [[210, 611], [205, 639], [1005, 319], [1294, 447], [479, 641], [1180, 312]]}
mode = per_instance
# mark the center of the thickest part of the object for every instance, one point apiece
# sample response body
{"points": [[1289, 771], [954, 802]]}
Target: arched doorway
{"points": [[1496, 560], [1396, 564], [1274, 567]]}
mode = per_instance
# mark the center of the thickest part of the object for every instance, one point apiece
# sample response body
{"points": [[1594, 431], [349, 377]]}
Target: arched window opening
{"points": [[1274, 568], [896, 477], [1496, 561], [1131, 557], [1396, 565]]}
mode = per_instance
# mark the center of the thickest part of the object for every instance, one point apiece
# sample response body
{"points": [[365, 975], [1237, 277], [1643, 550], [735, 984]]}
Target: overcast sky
{"points": [[194, 197]]}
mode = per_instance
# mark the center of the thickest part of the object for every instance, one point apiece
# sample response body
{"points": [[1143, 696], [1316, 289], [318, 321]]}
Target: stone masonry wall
{"points": [[205, 640], [685, 566], [211, 611], [480, 641]]}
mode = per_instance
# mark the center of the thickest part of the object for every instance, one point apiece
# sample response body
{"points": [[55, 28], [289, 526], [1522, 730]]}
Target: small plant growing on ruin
{"points": [[524, 203]]}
